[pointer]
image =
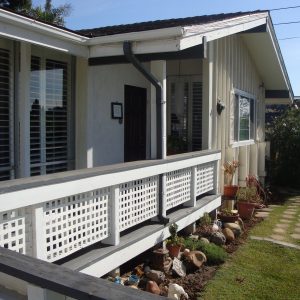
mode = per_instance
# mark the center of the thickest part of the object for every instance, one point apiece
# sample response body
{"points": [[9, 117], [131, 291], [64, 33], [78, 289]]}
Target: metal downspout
{"points": [[160, 122]]}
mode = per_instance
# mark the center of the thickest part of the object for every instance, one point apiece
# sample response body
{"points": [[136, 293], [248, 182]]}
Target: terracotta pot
{"points": [[174, 250], [228, 219], [245, 209], [230, 190]]}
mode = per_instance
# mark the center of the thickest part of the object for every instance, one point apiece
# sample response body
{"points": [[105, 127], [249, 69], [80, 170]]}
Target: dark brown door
{"points": [[135, 123]]}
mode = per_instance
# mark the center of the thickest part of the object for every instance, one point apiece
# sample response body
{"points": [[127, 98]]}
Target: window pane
{"points": [[244, 119]]}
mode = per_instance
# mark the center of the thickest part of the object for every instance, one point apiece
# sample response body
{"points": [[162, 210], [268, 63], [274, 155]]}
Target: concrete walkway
{"points": [[286, 230]]}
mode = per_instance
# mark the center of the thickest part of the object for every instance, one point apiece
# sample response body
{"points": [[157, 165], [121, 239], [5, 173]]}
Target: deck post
{"points": [[192, 202], [114, 231]]}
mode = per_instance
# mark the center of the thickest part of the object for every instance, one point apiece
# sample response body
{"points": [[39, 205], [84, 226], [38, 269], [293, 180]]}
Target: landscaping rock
{"points": [[152, 287], [218, 238], [197, 258], [241, 223], [156, 276], [237, 230], [194, 237], [229, 235], [175, 291], [204, 240], [178, 267]]}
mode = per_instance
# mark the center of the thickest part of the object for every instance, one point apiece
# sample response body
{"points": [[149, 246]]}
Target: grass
{"points": [[265, 228], [260, 269]]}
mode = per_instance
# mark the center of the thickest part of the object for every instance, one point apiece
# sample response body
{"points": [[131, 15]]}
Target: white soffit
{"points": [[194, 34], [175, 38], [25, 29]]}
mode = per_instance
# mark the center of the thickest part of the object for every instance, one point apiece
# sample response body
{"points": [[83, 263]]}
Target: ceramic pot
{"points": [[230, 191], [245, 209]]}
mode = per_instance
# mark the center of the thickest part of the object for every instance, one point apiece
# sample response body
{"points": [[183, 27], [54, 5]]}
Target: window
{"points": [[49, 116], [244, 115], [185, 114]]}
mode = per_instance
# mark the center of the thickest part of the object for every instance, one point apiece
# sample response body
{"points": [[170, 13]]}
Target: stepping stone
{"points": [[295, 236], [297, 230], [266, 209], [287, 216], [290, 212], [277, 237], [262, 214], [279, 231], [285, 221], [283, 226], [274, 205]]}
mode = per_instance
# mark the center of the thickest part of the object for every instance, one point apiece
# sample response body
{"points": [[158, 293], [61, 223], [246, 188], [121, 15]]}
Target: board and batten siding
{"points": [[234, 68]]}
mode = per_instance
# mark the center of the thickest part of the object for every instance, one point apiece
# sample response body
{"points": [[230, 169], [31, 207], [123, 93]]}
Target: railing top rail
{"points": [[65, 281], [56, 178]]}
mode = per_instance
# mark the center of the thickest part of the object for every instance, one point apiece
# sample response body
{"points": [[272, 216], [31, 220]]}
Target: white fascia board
{"points": [[24, 29], [138, 47], [156, 34], [194, 34], [272, 35]]}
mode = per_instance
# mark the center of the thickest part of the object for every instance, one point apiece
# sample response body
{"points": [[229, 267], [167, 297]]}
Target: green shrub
{"points": [[215, 254], [205, 220]]}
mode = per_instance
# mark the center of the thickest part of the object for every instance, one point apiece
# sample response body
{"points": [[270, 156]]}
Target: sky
{"points": [[98, 13]]}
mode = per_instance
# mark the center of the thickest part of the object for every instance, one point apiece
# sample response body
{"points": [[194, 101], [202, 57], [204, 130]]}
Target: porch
{"points": [[52, 216]]}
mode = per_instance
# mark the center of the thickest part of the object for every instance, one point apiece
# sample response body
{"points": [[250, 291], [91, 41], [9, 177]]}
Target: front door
{"points": [[135, 123]]}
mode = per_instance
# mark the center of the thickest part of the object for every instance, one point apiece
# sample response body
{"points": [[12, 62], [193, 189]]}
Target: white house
{"points": [[87, 119]]}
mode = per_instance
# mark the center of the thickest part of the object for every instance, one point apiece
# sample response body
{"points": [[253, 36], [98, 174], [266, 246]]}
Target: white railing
{"points": [[50, 217]]}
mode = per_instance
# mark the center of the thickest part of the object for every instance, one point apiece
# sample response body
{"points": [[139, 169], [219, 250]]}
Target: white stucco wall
{"points": [[105, 136]]}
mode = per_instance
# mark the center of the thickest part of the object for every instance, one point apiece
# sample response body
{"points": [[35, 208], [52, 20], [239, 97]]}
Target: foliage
{"points": [[284, 167], [205, 220], [226, 212], [247, 194], [215, 254], [176, 145], [229, 170], [174, 238], [48, 13]]}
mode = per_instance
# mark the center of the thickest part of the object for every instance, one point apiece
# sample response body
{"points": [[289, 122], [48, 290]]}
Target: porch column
{"points": [[158, 69], [23, 110], [208, 109]]}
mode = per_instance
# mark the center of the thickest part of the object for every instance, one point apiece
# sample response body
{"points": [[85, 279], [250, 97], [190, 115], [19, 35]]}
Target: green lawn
{"points": [[258, 270]]}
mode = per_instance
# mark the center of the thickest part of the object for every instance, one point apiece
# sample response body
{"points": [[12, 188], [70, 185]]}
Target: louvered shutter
{"points": [[6, 113]]}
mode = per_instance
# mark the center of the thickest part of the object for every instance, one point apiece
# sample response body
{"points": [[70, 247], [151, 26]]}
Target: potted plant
{"points": [[174, 243], [246, 199], [229, 171], [228, 216]]}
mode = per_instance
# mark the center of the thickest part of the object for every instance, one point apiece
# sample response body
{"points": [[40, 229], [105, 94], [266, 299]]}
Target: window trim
{"points": [[236, 142]]}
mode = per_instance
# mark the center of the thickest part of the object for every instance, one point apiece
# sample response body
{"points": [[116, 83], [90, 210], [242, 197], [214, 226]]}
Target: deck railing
{"points": [[50, 217]]}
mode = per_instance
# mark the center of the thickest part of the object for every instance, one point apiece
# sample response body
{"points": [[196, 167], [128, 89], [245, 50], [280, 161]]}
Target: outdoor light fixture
{"points": [[220, 106]]}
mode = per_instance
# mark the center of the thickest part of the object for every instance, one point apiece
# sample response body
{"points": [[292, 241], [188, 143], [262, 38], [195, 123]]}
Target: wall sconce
{"points": [[117, 111], [220, 106]]}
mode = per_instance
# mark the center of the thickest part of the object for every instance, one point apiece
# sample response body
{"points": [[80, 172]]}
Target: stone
{"points": [[204, 240], [197, 258], [279, 230], [290, 212], [218, 238], [297, 230], [285, 221], [282, 226], [194, 237], [286, 216], [175, 291], [241, 223], [152, 287], [179, 267], [229, 235], [155, 275], [295, 236], [261, 214], [237, 230], [277, 237]]}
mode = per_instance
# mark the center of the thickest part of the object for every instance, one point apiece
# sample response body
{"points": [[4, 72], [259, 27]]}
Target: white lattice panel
{"points": [[75, 222], [12, 230], [178, 187], [138, 201], [204, 178]]}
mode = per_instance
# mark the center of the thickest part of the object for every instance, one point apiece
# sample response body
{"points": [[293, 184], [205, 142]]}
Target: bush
{"points": [[215, 255]]}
